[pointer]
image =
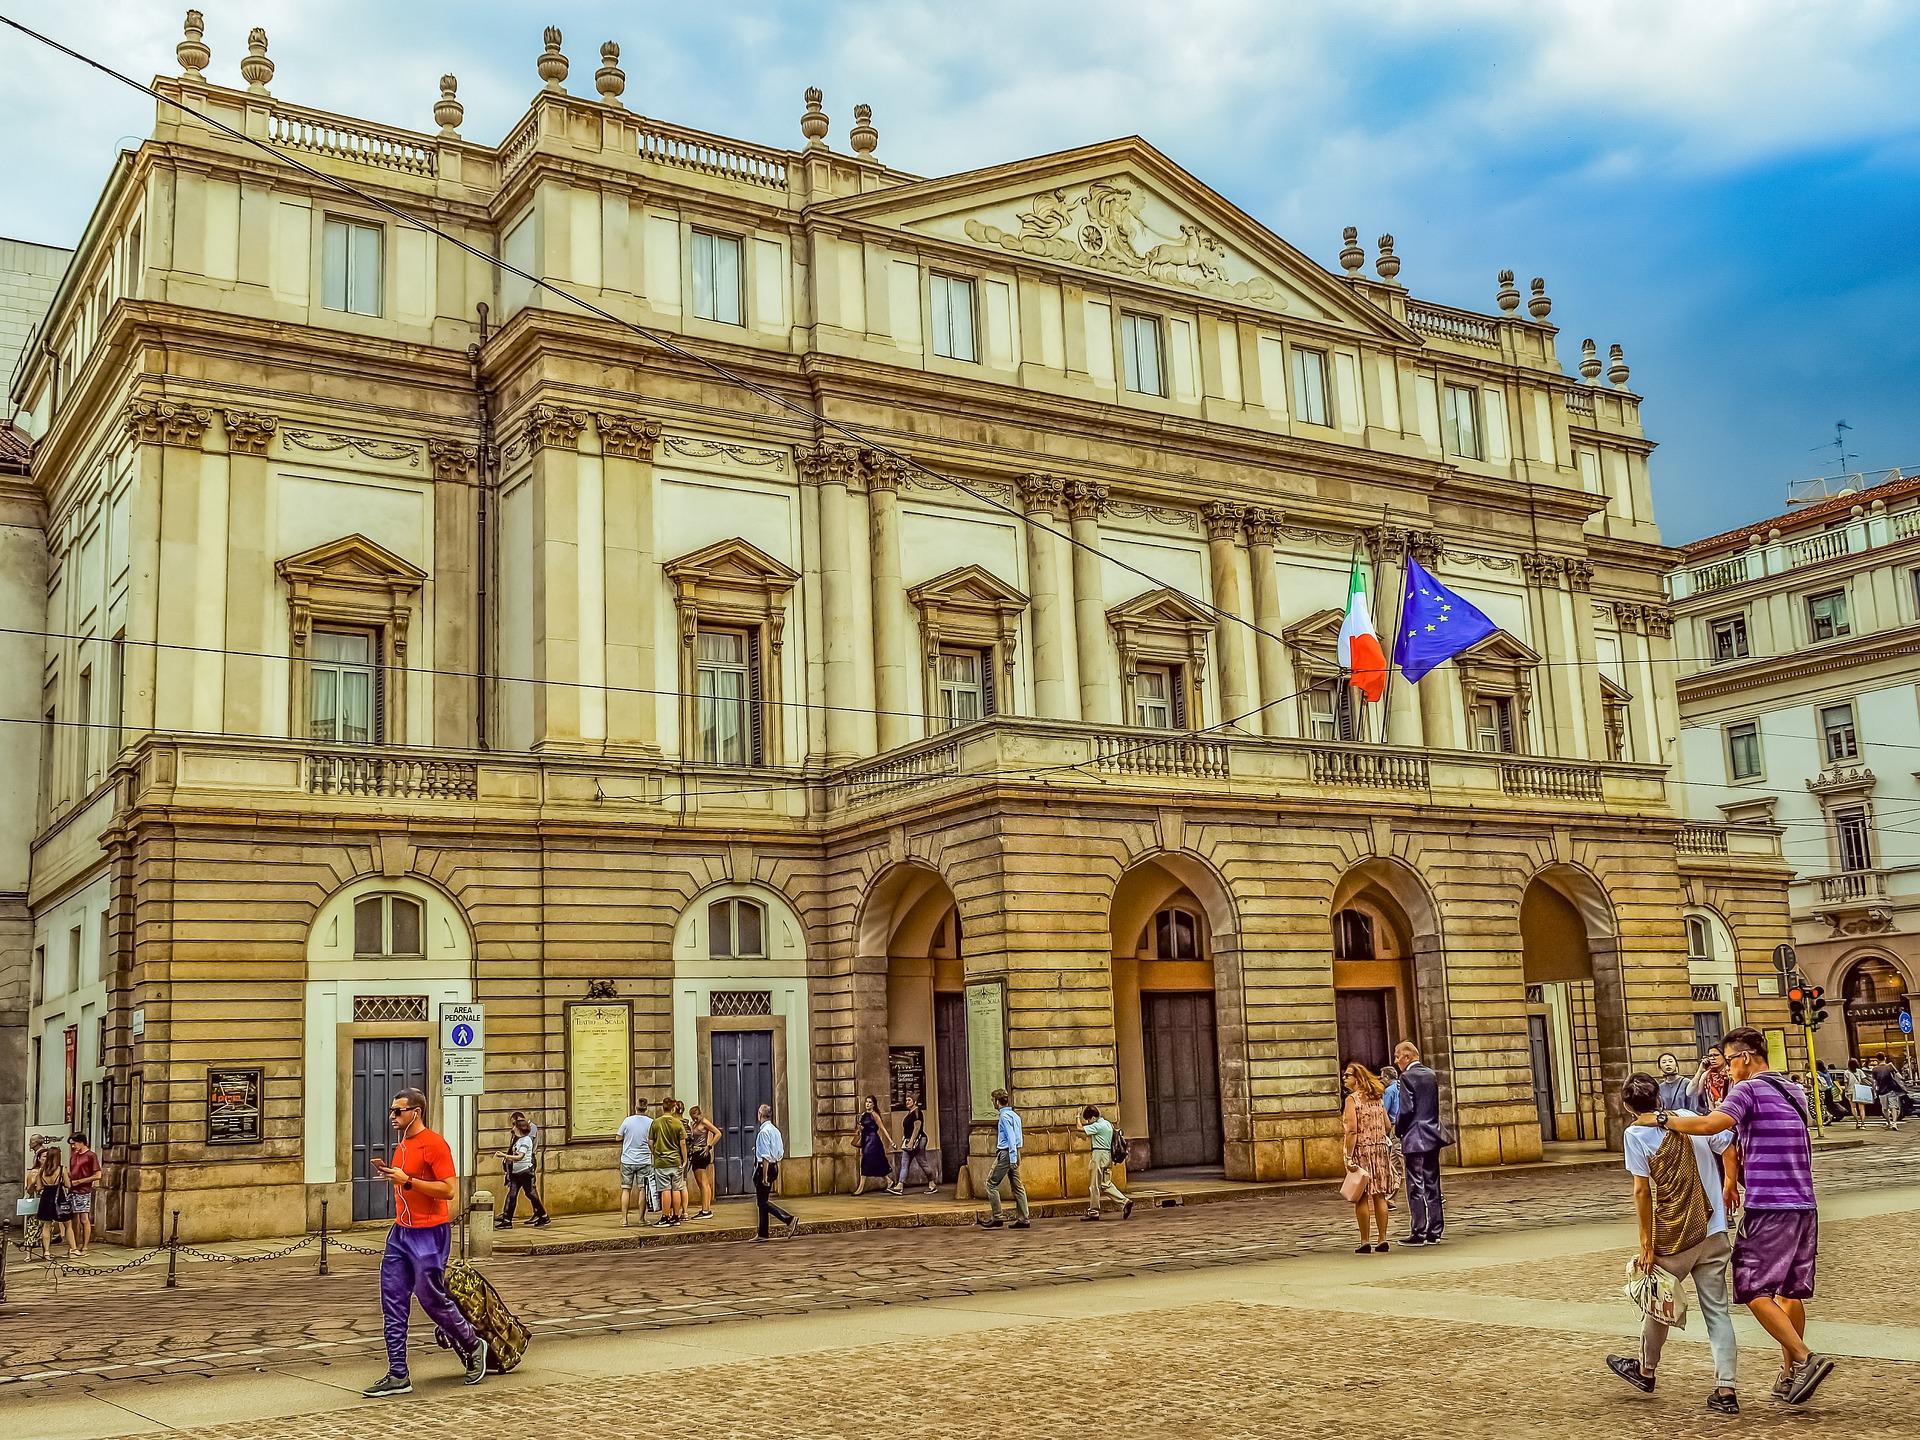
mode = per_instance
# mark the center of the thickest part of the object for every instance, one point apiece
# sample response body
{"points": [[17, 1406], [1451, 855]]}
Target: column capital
{"points": [[161, 422], [555, 427], [451, 460], [1223, 519], [1627, 615], [1580, 576], [1386, 544], [1262, 524], [1427, 546], [1043, 492], [885, 473], [249, 432], [1658, 620], [626, 437], [1542, 570], [829, 465], [1086, 499]]}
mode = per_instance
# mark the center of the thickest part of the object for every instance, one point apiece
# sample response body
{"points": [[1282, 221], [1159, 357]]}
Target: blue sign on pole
{"points": [[1906, 1022], [463, 1035]]}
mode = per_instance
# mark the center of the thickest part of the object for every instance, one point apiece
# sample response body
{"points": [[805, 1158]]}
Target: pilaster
{"points": [[1270, 650], [1086, 503], [552, 433], [633, 595], [1045, 499], [832, 468], [892, 646], [1230, 636]]}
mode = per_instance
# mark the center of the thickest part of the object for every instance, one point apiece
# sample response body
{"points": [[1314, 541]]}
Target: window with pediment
{"points": [[1330, 708], [1162, 639], [1614, 703], [350, 610], [969, 630], [731, 599], [1496, 684]]}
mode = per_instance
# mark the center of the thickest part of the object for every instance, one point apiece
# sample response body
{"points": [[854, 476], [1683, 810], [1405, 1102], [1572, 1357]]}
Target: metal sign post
{"points": [[463, 1072]]}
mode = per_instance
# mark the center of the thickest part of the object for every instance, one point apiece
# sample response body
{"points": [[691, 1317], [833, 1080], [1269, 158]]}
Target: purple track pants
{"points": [[416, 1264]]}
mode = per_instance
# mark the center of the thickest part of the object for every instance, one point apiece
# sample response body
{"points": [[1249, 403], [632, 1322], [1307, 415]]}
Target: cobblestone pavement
{"points": [[102, 1333]]}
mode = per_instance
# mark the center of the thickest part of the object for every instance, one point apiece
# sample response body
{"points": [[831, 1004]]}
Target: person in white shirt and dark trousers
{"points": [[1006, 1166], [768, 1151], [519, 1157]]}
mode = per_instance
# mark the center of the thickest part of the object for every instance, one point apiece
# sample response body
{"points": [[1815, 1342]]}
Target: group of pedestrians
{"points": [[658, 1156], [1859, 1089], [876, 1141], [1391, 1135], [61, 1188]]}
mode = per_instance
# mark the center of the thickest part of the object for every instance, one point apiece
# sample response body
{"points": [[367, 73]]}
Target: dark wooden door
{"points": [[953, 1082], [1708, 1027], [742, 1083], [1183, 1078], [1542, 1075], [1360, 1020], [381, 1069]]}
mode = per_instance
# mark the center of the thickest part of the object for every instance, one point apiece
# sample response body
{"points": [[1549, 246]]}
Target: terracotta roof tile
{"points": [[1805, 517]]}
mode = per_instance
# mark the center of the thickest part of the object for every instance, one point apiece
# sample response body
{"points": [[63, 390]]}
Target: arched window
{"points": [[1176, 936], [1353, 935], [386, 925], [1872, 980], [736, 930]]}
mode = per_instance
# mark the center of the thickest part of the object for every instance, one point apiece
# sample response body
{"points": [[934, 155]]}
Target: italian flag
{"points": [[1360, 653]]}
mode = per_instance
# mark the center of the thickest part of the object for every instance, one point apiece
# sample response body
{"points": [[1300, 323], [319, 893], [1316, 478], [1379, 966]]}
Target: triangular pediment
{"points": [[735, 562], [1123, 209], [1500, 648], [1613, 690], [1320, 628], [1165, 607], [350, 559], [973, 586]]}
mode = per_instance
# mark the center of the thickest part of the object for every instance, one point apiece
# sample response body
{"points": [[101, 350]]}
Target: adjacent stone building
{"points": [[1800, 705], [442, 640]]}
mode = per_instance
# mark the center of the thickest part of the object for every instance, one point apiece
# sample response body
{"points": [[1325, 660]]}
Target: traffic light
{"points": [[1816, 1007], [1797, 1004]]}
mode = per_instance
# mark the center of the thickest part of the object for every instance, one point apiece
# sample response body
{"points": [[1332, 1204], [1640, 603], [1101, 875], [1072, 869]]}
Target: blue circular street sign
{"points": [[463, 1035], [1906, 1022]]}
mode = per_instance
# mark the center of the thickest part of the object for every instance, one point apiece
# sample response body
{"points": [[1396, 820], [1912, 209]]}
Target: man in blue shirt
{"points": [[768, 1151], [1390, 1096], [1006, 1165]]}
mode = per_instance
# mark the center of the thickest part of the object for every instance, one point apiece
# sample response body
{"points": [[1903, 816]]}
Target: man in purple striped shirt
{"points": [[1774, 1253]]}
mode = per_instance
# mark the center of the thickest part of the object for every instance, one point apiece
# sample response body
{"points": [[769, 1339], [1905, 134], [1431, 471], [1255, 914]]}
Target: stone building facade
{"points": [[913, 670], [1799, 698]]}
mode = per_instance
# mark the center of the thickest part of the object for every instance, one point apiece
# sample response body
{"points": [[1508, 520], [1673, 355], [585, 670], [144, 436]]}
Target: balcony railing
{"points": [[711, 154], [1827, 545], [1364, 768], [1134, 752], [1852, 887], [1774, 554], [1451, 324], [889, 773], [1545, 780], [391, 777], [1698, 839], [317, 133]]}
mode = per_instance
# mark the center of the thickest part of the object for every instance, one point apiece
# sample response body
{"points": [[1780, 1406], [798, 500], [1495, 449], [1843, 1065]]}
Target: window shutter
{"points": [[756, 734], [1504, 710], [989, 690], [1177, 682], [379, 687]]}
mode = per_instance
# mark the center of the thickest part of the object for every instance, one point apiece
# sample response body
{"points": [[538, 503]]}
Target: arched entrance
{"points": [[1576, 1019], [1172, 925], [911, 920], [1389, 983], [1875, 995]]}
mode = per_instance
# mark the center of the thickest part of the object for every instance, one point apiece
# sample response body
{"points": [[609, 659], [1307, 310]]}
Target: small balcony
{"points": [[1852, 887]]}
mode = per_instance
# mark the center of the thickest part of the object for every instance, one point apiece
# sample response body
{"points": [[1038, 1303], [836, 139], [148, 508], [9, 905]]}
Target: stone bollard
{"points": [[480, 1225]]}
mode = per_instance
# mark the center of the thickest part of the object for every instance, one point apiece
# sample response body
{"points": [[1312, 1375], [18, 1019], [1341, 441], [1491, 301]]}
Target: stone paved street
{"points": [[1181, 1296]]}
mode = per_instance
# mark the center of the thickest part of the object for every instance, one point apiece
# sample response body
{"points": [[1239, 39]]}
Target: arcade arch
{"points": [[1570, 959], [1388, 982], [1874, 992]]}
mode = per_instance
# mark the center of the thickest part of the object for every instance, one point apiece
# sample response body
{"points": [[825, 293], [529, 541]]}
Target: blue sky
{"points": [[1727, 189]]}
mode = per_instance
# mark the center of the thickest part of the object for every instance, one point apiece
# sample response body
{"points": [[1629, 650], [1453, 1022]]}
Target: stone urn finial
{"points": [[814, 123], [1617, 371], [192, 51], [1508, 296], [863, 137], [1388, 264], [1352, 257], [1538, 305], [552, 65], [448, 112], [1589, 361], [610, 80], [255, 68]]}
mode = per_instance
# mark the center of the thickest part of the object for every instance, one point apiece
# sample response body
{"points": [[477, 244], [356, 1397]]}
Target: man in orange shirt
{"points": [[422, 1176]]}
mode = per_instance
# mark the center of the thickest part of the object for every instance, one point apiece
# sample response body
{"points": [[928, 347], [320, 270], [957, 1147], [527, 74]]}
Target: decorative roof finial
{"points": [[1509, 297], [1538, 305], [1388, 264], [255, 68], [814, 123], [610, 80], [1617, 371], [448, 112], [192, 52], [1589, 361], [863, 137], [552, 65], [1352, 257]]}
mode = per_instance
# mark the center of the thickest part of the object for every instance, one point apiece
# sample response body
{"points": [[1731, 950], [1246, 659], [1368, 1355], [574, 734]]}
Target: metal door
{"points": [[742, 1083], [1542, 1075], [1360, 1020], [1183, 1078], [953, 1082], [1708, 1027], [381, 1069]]}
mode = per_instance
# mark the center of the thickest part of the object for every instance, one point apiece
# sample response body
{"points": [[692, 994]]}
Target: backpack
{"points": [[505, 1334], [1118, 1151]]}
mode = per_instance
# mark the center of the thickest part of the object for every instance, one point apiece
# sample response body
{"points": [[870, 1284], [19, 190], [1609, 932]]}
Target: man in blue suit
{"points": [[1422, 1139]]}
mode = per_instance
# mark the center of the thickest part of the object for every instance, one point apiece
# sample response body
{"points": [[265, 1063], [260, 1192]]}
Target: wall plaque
{"points": [[599, 1068], [233, 1106], [906, 1075], [986, 1044]]}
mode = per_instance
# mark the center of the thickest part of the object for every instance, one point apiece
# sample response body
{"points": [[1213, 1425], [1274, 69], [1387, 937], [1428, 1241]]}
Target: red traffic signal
{"points": [[1796, 995]]}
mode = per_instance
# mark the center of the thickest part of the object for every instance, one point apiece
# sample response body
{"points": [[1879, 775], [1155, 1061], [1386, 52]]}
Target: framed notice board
{"points": [[986, 1044], [906, 1075], [599, 1067], [233, 1106]]}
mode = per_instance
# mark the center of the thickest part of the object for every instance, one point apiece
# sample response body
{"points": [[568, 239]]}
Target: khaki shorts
{"points": [[667, 1177]]}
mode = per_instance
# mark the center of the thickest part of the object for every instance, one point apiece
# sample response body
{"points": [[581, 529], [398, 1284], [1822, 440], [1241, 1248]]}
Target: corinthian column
{"points": [[892, 659], [1086, 502], [1276, 675], [1045, 500], [1230, 637], [633, 590], [831, 467]]}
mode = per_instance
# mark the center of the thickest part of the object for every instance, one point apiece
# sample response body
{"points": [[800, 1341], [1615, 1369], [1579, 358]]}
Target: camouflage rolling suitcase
{"points": [[506, 1336]]}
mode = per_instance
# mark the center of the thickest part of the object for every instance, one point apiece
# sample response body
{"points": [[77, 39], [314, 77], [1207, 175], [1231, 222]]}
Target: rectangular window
{"points": [[1838, 740], [1332, 711], [116, 697], [1463, 422], [726, 692], [1729, 639], [350, 267], [953, 318], [1160, 697], [1140, 344], [343, 688], [1743, 750], [966, 688], [1493, 725], [1851, 838], [1310, 386], [1827, 615], [49, 738], [1699, 946], [716, 277], [83, 736]]}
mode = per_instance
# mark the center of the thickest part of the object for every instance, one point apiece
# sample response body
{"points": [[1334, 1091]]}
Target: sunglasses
{"points": [[402, 1110]]}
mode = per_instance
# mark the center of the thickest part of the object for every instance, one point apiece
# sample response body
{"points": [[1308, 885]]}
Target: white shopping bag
{"points": [[1657, 1294]]}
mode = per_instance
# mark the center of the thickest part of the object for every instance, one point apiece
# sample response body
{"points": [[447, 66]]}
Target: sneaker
{"points": [[793, 1227], [1628, 1369], [703, 1215], [1807, 1376], [990, 1224], [895, 1190], [1415, 1240], [933, 1189], [541, 1222], [477, 1363], [1090, 1216], [388, 1385], [1126, 1211], [1782, 1384], [503, 1225], [1722, 1402], [1019, 1225]]}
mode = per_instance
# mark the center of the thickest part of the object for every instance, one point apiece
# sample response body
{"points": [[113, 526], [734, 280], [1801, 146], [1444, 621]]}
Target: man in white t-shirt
{"points": [[636, 1159], [1681, 1200]]}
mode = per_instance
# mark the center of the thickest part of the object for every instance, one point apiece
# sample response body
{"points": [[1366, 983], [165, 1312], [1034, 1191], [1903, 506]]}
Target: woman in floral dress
{"points": [[1365, 1128]]}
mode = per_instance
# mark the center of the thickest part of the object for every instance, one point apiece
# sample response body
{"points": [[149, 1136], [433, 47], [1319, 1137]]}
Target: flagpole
{"points": [[1346, 677], [1386, 695]]}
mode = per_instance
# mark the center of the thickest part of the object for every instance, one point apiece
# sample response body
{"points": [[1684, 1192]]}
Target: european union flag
{"points": [[1435, 624]]}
